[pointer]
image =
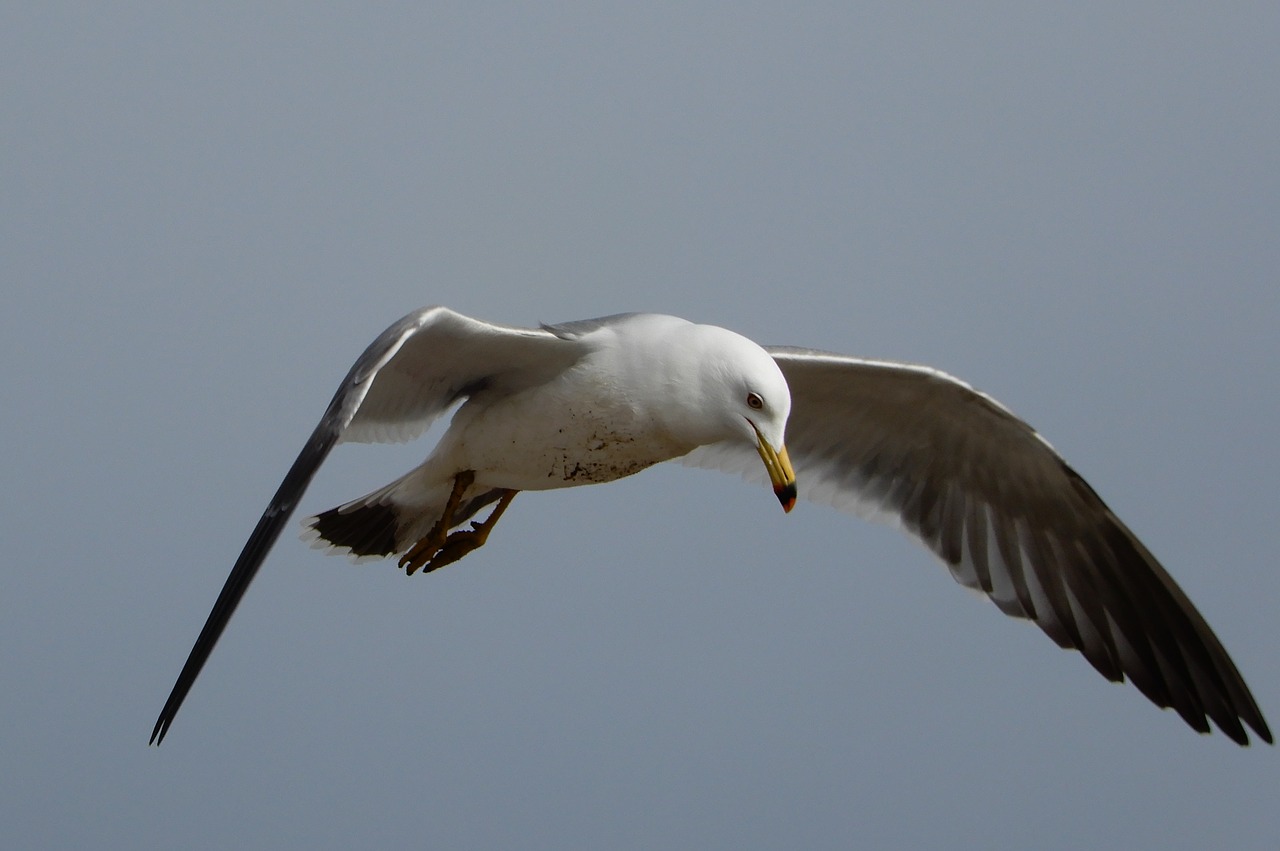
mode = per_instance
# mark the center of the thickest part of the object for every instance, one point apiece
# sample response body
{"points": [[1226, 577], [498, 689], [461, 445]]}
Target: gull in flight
{"points": [[592, 401]]}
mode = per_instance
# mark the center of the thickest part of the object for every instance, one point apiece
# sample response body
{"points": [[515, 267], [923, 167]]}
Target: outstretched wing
{"points": [[1010, 519], [413, 372]]}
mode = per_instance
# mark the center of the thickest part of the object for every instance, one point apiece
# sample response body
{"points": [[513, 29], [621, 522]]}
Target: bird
{"points": [[592, 401]]}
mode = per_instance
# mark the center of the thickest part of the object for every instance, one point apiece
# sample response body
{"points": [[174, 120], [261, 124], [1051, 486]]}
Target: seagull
{"points": [[592, 401]]}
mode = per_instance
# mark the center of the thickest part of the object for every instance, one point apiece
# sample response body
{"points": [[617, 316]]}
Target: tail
{"points": [[361, 530], [388, 521], [377, 524]]}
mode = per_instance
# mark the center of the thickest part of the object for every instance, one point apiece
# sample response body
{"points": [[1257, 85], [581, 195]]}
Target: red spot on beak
{"points": [[786, 495]]}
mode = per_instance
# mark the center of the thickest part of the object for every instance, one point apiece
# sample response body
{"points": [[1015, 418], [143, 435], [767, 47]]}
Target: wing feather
{"points": [[413, 372], [1009, 517]]}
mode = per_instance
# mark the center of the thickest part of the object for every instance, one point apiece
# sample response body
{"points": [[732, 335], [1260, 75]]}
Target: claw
{"points": [[455, 547], [440, 547], [420, 554]]}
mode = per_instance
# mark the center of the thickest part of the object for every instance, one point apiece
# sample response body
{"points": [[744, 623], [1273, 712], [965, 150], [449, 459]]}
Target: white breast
{"points": [[579, 429]]}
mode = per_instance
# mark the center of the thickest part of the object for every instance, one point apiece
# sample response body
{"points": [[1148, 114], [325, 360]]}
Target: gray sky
{"points": [[207, 214]]}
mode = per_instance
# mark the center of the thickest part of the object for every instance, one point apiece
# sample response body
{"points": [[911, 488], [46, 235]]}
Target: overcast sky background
{"points": [[207, 213]]}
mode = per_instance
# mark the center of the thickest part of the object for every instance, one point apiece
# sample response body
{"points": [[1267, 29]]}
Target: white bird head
{"points": [[725, 388]]}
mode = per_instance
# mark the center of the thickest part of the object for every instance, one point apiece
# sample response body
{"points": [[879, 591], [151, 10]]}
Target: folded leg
{"points": [[440, 547]]}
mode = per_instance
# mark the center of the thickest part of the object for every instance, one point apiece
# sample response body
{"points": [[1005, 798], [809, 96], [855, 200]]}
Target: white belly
{"points": [[552, 439]]}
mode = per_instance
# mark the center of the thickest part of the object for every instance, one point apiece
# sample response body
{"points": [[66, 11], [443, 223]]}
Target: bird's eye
{"points": [[754, 401]]}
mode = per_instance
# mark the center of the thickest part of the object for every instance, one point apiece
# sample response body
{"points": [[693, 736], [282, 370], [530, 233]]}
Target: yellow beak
{"points": [[781, 474]]}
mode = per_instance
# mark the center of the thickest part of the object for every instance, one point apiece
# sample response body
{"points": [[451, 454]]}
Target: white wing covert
{"points": [[420, 366]]}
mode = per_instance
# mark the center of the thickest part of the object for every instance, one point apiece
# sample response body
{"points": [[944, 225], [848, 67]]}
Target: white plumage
{"points": [[591, 401]]}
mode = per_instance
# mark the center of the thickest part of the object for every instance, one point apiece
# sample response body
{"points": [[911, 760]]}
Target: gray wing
{"points": [[1009, 518], [413, 372]]}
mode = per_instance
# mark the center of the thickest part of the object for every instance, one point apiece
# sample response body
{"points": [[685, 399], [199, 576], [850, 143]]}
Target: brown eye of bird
{"points": [[754, 401]]}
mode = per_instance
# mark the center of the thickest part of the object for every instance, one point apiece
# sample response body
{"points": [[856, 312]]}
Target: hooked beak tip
{"points": [[786, 495], [778, 464]]}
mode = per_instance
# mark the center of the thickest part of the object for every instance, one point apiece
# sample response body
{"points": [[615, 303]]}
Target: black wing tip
{"points": [[1260, 729], [174, 703], [1233, 723], [1238, 734]]}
